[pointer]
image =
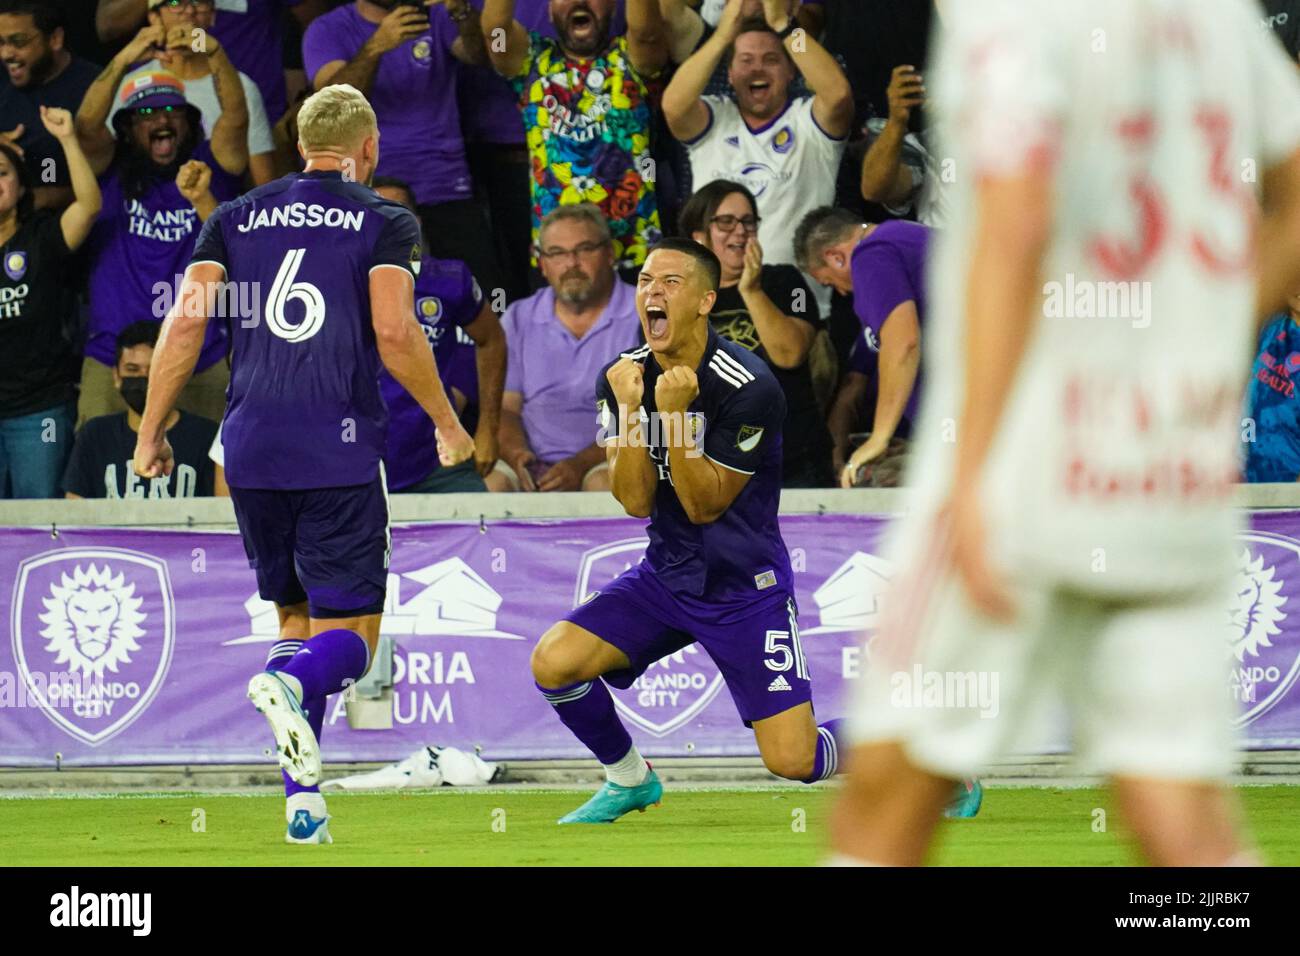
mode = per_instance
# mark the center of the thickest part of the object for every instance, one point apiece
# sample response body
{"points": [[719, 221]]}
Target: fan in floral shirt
{"points": [[585, 99]]}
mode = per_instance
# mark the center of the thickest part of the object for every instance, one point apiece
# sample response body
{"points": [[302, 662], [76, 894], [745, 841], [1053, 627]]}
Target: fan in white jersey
{"points": [[1092, 306], [787, 152]]}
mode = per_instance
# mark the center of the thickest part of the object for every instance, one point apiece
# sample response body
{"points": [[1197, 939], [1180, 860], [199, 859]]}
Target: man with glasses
{"points": [[39, 71], [208, 75], [557, 340]]}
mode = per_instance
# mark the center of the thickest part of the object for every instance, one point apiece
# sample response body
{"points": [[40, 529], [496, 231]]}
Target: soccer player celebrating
{"points": [[304, 429], [1077, 538], [692, 426]]}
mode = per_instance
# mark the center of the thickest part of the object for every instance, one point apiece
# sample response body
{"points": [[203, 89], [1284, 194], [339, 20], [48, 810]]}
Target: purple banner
{"points": [[134, 646]]}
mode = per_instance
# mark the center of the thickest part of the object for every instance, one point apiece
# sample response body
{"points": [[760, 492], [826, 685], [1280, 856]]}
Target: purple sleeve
{"points": [[880, 285], [322, 44], [469, 299], [750, 420], [514, 349], [211, 246], [606, 407], [399, 243]]}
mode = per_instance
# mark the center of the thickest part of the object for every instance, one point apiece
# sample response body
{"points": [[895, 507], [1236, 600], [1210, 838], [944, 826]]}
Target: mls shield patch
{"points": [[748, 437], [93, 632]]}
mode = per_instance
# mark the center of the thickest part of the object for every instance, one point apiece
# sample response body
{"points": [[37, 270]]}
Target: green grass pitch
{"points": [[777, 826]]}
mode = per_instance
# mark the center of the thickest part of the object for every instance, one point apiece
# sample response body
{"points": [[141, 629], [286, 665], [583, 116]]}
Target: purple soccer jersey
{"points": [[414, 97], [730, 566], [139, 244], [304, 409], [888, 269], [446, 299]]}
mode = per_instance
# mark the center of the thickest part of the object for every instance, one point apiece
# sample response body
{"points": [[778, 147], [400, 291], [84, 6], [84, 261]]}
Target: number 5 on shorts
{"points": [[781, 657]]}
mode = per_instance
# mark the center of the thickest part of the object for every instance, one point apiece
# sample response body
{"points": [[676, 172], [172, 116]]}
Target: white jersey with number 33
{"points": [[1112, 470]]}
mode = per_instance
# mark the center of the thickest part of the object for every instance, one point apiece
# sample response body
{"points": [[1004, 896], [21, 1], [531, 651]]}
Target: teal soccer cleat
{"points": [[966, 800], [612, 801]]}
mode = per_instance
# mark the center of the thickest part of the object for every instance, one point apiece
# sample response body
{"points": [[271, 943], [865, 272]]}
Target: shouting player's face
{"points": [[672, 298]]}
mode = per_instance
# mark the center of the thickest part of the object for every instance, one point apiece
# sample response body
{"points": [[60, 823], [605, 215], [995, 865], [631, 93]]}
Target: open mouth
{"points": [[17, 69], [657, 321], [162, 145], [759, 87], [582, 23]]}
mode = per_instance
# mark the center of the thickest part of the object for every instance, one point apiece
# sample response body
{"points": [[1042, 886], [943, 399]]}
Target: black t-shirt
{"points": [[100, 466], [804, 435], [38, 366], [24, 106]]}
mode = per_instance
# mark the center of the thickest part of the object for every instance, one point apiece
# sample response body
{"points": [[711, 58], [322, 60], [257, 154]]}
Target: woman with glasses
{"points": [[769, 310]]}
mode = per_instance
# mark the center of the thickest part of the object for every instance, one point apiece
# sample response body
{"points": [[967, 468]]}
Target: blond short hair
{"points": [[336, 118]]}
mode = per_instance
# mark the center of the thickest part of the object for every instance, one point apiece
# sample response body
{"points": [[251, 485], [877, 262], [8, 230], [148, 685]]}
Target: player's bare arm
{"points": [[899, 363], [685, 112], [179, 345], [632, 473], [1013, 229], [404, 351], [507, 40], [490, 360], [647, 37], [832, 96], [704, 488], [1279, 236]]}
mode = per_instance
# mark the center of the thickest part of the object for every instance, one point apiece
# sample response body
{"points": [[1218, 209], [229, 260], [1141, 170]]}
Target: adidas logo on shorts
{"points": [[780, 683]]}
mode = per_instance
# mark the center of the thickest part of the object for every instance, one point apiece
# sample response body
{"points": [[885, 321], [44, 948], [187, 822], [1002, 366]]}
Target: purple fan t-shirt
{"points": [[446, 299], [139, 249], [888, 269], [556, 373], [303, 408], [414, 97], [252, 34], [490, 105]]}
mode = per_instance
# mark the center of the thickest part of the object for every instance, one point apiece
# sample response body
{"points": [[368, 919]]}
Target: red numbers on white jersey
{"points": [[1127, 258]]}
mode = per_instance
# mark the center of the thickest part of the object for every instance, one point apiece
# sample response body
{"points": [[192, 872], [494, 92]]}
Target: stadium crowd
{"points": [[545, 146]]}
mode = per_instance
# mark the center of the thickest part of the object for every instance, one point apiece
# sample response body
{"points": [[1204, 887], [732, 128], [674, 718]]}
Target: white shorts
{"points": [[1144, 684]]}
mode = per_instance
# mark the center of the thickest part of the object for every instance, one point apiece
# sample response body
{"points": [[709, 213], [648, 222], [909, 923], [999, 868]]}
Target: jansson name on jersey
{"points": [[301, 214]]}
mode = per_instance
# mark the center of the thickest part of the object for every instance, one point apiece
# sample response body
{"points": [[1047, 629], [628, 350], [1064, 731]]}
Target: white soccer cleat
{"points": [[295, 742]]}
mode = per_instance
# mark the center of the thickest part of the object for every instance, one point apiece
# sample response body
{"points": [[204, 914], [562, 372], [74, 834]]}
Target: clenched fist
{"points": [[194, 179], [627, 379], [676, 389]]}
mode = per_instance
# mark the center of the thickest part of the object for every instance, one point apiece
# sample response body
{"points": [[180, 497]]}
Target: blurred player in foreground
{"points": [[692, 430], [1094, 300], [330, 265]]}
